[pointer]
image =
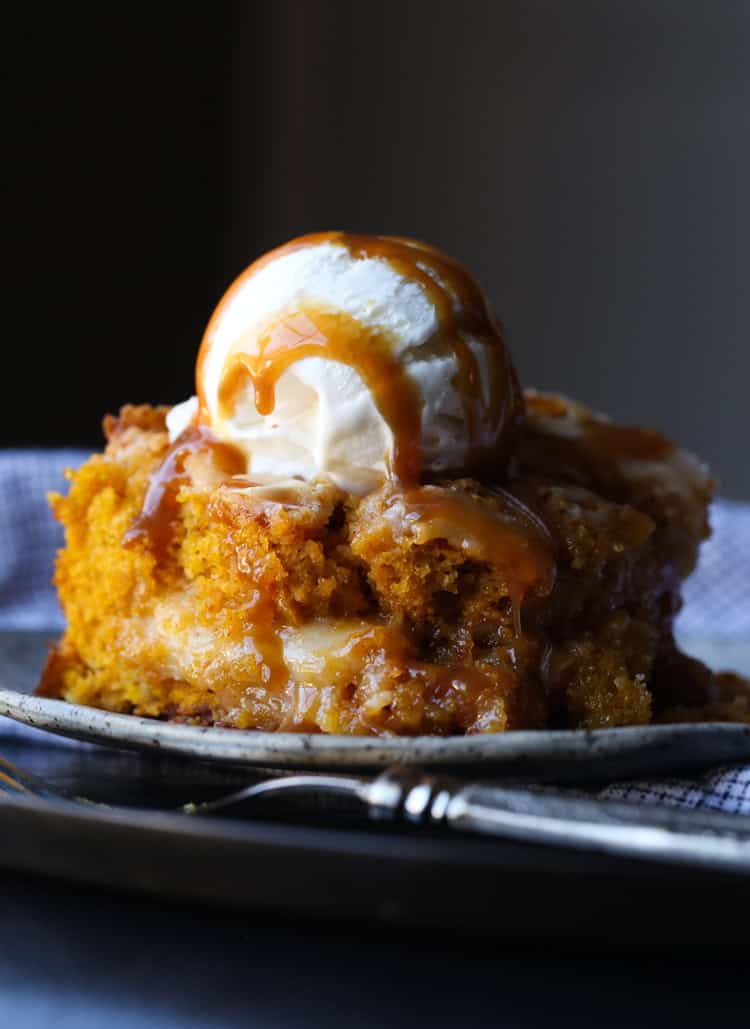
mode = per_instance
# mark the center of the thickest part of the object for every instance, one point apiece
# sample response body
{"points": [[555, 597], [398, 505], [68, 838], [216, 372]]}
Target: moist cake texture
{"points": [[545, 599]]}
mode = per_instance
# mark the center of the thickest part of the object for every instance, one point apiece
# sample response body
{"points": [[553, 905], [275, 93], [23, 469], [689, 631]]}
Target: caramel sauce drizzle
{"points": [[511, 536], [380, 648], [155, 521], [602, 438], [463, 311], [492, 410], [628, 443], [332, 336], [265, 641], [154, 525]]}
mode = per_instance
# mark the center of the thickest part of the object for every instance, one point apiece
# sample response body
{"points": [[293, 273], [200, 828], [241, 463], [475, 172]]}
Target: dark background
{"points": [[589, 160]]}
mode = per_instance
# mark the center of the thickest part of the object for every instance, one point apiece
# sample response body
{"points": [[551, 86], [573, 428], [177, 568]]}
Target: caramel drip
{"points": [[258, 630], [154, 523], [476, 696], [583, 435], [261, 636], [337, 338], [463, 312], [508, 535], [492, 409], [628, 443]]}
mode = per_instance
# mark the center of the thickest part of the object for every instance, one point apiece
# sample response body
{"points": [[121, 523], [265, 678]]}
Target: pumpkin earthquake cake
{"points": [[361, 524]]}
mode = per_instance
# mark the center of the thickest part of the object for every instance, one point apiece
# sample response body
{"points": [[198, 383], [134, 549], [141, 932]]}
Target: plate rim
{"points": [[517, 749]]}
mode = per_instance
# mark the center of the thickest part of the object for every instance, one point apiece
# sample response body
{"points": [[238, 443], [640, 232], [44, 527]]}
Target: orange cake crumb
{"points": [[545, 598]]}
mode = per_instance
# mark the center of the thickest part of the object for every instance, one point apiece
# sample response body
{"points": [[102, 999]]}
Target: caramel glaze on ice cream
{"points": [[492, 410]]}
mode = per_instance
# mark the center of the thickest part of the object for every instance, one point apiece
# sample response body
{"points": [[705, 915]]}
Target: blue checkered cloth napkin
{"points": [[715, 623]]}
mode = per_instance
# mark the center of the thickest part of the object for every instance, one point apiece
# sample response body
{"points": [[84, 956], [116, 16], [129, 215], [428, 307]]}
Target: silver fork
{"points": [[540, 816]]}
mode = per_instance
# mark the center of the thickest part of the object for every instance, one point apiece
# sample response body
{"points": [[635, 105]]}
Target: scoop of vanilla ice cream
{"points": [[325, 420]]}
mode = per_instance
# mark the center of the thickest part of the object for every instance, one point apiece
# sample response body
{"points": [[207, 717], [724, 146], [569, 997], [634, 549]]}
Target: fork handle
{"points": [[663, 834]]}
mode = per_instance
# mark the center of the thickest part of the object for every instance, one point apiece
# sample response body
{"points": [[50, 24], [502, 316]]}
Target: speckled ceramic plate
{"points": [[542, 755]]}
